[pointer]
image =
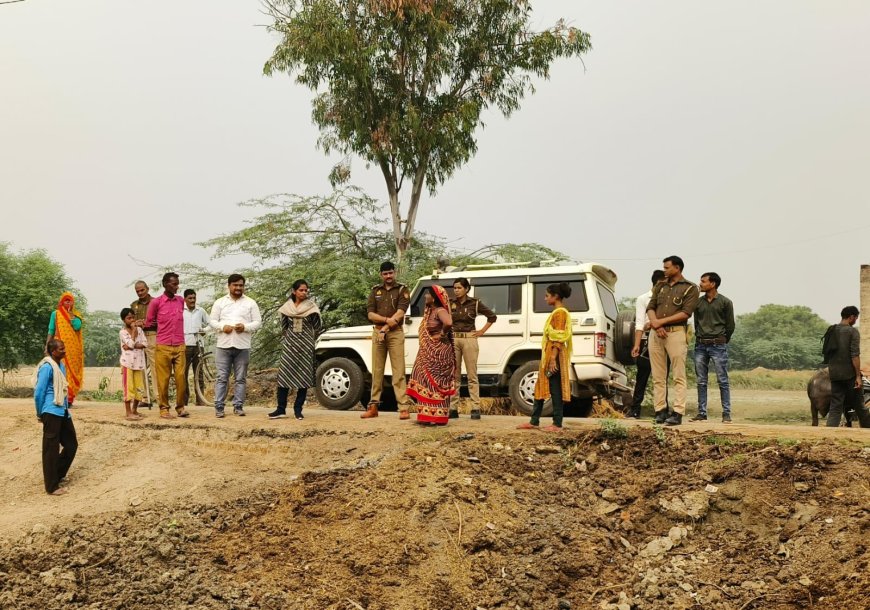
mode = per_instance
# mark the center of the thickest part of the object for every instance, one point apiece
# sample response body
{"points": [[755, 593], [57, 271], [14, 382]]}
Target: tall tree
{"points": [[32, 284], [778, 337], [102, 345], [332, 242], [403, 83]]}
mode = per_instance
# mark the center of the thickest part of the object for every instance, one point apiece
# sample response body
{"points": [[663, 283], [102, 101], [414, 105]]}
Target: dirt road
{"points": [[336, 512]]}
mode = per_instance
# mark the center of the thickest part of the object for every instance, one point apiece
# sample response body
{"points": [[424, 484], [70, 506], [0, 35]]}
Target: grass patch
{"points": [[721, 441], [787, 442], [611, 428], [766, 379]]}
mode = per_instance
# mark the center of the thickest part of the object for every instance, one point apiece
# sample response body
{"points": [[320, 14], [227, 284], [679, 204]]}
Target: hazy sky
{"points": [[734, 134]]}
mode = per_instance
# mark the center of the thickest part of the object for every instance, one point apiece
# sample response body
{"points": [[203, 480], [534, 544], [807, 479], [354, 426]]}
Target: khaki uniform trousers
{"points": [[169, 360], [675, 348], [151, 339], [467, 350], [394, 344]]}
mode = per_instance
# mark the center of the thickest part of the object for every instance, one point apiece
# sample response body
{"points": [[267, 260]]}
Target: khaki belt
{"points": [[674, 328], [469, 335]]}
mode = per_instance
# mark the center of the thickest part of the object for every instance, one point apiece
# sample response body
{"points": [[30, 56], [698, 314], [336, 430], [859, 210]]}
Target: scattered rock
{"points": [[547, 449], [465, 437], [473, 460], [497, 446], [800, 486], [711, 489], [136, 501], [694, 504], [605, 508], [581, 466], [609, 494]]}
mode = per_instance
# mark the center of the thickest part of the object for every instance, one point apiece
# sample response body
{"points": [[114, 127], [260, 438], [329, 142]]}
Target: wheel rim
{"points": [[335, 383], [527, 388]]}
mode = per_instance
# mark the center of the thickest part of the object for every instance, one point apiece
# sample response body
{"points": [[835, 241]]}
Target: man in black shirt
{"points": [[844, 366]]}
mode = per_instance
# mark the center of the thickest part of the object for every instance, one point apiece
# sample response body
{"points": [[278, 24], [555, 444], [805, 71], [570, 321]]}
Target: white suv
{"points": [[511, 349]]}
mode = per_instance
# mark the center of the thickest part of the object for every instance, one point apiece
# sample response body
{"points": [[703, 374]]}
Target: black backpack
{"points": [[830, 343]]}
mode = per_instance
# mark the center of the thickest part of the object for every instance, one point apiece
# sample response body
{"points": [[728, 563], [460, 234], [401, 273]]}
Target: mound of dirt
{"points": [[493, 520]]}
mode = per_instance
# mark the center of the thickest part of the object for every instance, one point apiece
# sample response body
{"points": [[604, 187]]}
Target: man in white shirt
{"points": [[640, 352], [196, 321], [235, 317]]}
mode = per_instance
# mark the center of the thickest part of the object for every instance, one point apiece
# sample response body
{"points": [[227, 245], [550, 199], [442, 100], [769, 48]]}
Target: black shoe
{"points": [[299, 416], [661, 416], [699, 417], [454, 414], [674, 420], [277, 414], [475, 414], [634, 414], [239, 412], [726, 419]]}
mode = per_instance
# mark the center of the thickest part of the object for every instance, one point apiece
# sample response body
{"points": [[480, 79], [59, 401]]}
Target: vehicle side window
{"points": [[608, 301], [576, 302], [501, 298]]}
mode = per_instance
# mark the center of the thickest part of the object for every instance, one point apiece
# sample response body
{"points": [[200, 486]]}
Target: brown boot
{"points": [[404, 414], [371, 411]]}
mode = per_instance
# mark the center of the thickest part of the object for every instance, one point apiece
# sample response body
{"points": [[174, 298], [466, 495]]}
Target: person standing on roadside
{"points": [[235, 317], [166, 312], [844, 367], [672, 303], [50, 398], [640, 351], [140, 310], [132, 362], [196, 321], [386, 307], [714, 325], [300, 325], [465, 310], [65, 324]]}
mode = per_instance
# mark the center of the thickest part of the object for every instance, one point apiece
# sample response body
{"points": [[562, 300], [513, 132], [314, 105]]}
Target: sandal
{"points": [[552, 429], [60, 491], [527, 426]]}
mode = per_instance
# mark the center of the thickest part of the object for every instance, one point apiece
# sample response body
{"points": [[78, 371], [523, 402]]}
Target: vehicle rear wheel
{"points": [[339, 383], [623, 337], [521, 389]]}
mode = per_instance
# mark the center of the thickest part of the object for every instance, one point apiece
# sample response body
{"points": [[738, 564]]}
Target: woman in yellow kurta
{"points": [[66, 324], [556, 348]]}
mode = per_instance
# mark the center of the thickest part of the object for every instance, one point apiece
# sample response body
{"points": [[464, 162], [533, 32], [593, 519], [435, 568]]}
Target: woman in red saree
{"points": [[433, 377], [66, 324]]}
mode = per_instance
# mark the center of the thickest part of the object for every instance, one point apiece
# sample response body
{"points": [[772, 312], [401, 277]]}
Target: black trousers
{"points": [[555, 381], [57, 432], [191, 353], [844, 394], [644, 370]]}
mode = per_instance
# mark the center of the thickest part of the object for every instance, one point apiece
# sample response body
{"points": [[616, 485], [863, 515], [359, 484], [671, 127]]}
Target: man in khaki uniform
{"points": [[386, 307], [465, 310], [672, 303], [140, 310]]}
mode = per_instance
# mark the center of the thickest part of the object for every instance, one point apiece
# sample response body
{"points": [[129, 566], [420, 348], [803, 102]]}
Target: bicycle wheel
{"points": [[204, 378]]}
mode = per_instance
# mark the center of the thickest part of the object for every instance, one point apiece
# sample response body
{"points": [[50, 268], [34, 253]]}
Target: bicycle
{"points": [[204, 374]]}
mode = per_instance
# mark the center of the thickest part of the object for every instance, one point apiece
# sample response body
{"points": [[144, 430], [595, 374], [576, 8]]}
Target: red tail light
{"points": [[601, 344]]}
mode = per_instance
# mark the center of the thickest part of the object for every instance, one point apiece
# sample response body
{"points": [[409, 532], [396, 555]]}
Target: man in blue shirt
{"points": [[52, 410]]}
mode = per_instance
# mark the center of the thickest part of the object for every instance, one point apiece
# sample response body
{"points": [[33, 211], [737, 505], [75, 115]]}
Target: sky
{"points": [[734, 135]]}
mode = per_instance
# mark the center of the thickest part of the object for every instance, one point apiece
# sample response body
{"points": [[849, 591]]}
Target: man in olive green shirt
{"points": [[386, 307], [672, 304], [714, 325]]}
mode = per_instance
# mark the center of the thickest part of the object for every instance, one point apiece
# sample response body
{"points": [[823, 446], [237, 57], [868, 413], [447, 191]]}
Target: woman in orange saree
{"points": [[433, 377], [66, 324]]}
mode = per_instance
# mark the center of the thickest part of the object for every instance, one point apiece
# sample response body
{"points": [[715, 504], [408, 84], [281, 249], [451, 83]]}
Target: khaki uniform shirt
{"points": [[140, 310], [385, 302], [465, 313], [667, 300]]}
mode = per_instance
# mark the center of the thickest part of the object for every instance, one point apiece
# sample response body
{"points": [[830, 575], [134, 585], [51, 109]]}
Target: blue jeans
{"points": [[718, 354], [225, 359]]}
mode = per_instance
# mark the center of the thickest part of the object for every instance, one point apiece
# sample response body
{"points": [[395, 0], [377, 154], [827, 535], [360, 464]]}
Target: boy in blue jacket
{"points": [[52, 410]]}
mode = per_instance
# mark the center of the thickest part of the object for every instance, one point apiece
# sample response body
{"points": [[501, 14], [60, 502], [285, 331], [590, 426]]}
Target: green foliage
{"points": [[102, 346], [403, 83], [721, 441], [32, 284], [103, 394], [333, 243], [777, 337], [611, 428], [661, 438]]}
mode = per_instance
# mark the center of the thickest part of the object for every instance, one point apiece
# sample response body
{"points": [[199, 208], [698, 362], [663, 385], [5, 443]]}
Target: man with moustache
{"points": [[166, 312], [140, 310]]}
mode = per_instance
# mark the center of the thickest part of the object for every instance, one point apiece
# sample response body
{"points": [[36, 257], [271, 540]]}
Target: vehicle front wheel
{"points": [[522, 389], [339, 383]]}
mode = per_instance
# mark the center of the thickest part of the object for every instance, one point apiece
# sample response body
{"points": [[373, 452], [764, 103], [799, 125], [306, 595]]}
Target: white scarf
{"points": [[60, 384], [299, 310]]}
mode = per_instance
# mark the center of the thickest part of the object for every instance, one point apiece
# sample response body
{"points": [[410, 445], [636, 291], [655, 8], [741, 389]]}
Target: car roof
{"points": [[605, 274]]}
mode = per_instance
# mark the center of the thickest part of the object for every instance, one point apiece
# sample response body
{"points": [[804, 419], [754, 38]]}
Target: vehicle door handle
{"points": [[513, 321]]}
